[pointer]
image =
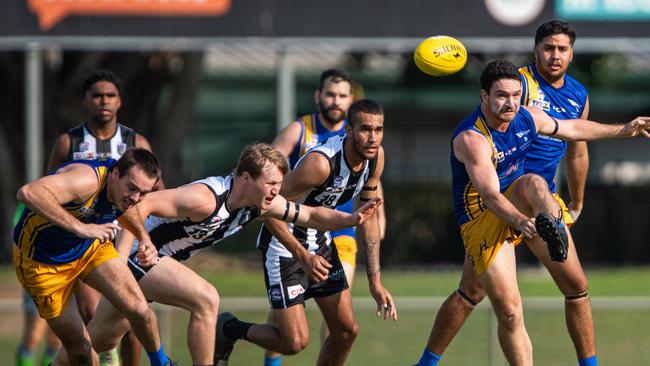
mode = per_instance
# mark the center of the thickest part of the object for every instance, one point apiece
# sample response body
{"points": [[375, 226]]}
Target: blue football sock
{"points": [[429, 358], [590, 361], [158, 358], [272, 361]]}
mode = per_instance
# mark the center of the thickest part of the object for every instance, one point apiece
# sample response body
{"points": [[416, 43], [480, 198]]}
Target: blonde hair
{"points": [[255, 157]]}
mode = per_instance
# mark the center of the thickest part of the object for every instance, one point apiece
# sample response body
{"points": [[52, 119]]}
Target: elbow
{"points": [[25, 193]]}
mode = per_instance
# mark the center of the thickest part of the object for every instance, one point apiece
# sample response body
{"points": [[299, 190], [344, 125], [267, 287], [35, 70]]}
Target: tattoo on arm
{"points": [[372, 256]]}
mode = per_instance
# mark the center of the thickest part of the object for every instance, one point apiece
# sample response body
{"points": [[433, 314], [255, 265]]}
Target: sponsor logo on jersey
{"points": [[523, 134], [541, 104], [295, 291]]}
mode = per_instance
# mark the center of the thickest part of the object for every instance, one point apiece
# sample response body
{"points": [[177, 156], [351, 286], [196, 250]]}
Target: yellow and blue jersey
{"points": [[565, 102], [509, 150], [314, 133], [44, 242]]}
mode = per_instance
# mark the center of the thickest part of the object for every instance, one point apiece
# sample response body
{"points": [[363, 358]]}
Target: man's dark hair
{"points": [[497, 70], [101, 75], [554, 27], [336, 76], [142, 158], [363, 106]]}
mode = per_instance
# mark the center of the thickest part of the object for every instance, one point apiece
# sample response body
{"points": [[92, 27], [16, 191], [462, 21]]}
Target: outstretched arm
{"points": [[585, 130], [194, 201]]}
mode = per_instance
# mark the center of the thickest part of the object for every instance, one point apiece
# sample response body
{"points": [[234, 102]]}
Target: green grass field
{"points": [[622, 338]]}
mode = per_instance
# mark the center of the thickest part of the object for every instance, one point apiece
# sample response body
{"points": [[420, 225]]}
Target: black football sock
{"points": [[236, 329]]}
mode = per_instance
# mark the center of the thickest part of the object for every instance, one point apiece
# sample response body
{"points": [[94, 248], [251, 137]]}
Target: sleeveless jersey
{"points": [[313, 133], [183, 238], [45, 242], [509, 150], [565, 102], [341, 186], [84, 145]]}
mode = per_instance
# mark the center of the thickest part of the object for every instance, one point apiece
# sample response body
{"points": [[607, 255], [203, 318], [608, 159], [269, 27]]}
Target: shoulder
{"points": [[142, 142]]}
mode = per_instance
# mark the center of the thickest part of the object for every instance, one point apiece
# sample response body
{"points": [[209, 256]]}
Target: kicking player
{"points": [[188, 219], [497, 204], [547, 86], [300, 263], [333, 98], [65, 234]]}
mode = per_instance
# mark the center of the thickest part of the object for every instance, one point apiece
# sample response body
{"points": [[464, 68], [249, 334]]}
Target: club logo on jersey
{"points": [[275, 294], [84, 146], [338, 180], [523, 134], [121, 148], [295, 291]]}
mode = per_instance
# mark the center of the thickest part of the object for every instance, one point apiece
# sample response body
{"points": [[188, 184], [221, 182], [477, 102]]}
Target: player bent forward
{"points": [[65, 233], [188, 219]]}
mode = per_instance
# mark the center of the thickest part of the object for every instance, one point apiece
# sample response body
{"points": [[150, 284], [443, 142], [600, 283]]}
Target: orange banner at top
{"points": [[51, 12]]}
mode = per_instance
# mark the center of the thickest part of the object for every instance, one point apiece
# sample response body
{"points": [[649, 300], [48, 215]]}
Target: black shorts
{"points": [[288, 285], [137, 270]]}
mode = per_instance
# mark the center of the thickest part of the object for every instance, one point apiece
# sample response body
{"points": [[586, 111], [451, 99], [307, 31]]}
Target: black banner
{"points": [[293, 18]]}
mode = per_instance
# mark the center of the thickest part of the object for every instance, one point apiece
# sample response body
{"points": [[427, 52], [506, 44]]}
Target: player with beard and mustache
{"points": [[497, 203], [333, 98], [329, 175]]}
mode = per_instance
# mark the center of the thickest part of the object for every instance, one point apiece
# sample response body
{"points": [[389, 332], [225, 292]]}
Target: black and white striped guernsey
{"points": [[84, 145], [341, 186], [183, 238]]}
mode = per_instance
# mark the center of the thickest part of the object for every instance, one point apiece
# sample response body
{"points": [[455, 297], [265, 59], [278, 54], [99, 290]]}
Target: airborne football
{"points": [[440, 56]]}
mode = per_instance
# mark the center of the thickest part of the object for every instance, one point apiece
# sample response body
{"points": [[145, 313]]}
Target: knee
{"points": [[139, 312], [81, 352], [208, 302], [347, 333], [294, 345], [576, 287], [511, 316]]}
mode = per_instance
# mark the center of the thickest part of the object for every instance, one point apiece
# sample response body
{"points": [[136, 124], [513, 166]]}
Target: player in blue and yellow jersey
{"points": [[65, 233], [333, 98], [545, 85], [497, 203]]}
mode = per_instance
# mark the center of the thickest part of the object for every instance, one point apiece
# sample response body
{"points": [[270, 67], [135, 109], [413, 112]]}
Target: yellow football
{"points": [[440, 56]]}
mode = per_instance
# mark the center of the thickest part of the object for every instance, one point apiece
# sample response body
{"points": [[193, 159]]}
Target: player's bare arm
{"points": [[311, 172], [59, 154], [585, 130], [370, 234], [475, 152], [321, 218], [194, 201], [73, 183], [287, 139], [577, 166]]}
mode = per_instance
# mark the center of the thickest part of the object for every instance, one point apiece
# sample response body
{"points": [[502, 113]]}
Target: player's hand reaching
{"points": [[102, 232], [638, 126], [527, 227], [147, 253], [384, 299], [366, 211], [315, 266]]}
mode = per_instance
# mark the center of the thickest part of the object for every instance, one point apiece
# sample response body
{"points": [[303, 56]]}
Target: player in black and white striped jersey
{"points": [[187, 219], [302, 263]]}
